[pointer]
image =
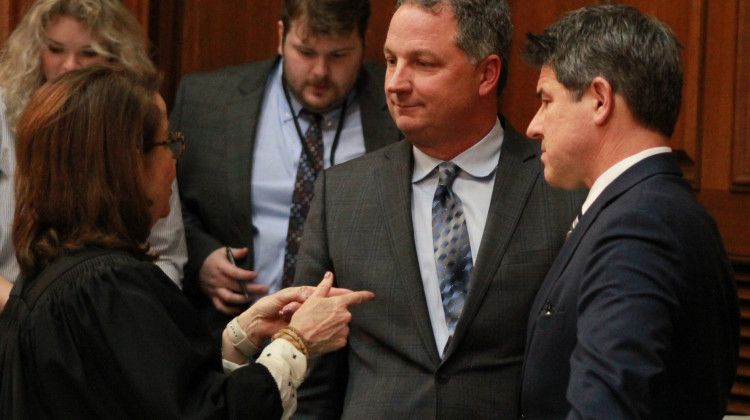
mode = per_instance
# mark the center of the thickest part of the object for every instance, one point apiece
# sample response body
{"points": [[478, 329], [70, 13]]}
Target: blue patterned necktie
{"points": [[304, 186], [451, 245]]}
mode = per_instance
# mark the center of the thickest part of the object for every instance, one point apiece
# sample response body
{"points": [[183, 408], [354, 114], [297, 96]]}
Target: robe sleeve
{"points": [[122, 342]]}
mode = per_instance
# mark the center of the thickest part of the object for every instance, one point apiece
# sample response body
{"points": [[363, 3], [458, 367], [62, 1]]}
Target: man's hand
{"points": [[219, 280]]}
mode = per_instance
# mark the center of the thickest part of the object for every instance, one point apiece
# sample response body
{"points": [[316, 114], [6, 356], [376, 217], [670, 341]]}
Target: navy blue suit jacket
{"points": [[638, 316]]}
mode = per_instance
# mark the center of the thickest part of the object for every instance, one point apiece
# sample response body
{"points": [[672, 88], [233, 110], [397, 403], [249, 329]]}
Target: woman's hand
{"points": [[323, 320], [272, 313]]}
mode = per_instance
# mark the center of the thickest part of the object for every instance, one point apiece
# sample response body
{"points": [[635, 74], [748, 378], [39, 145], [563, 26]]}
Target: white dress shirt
{"points": [[608, 176], [473, 185]]}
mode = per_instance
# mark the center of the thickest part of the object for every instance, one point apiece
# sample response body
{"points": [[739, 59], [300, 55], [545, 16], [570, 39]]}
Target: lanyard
{"points": [[305, 149]]}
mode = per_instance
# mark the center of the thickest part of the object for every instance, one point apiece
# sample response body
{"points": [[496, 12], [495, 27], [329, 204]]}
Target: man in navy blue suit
{"points": [[638, 316]]}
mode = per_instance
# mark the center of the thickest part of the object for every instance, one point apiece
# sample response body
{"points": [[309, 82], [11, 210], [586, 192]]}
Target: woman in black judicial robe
{"points": [[96, 330]]}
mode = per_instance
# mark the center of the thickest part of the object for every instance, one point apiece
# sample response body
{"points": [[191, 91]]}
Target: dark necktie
{"points": [[304, 186], [572, 226], [451, 245]]}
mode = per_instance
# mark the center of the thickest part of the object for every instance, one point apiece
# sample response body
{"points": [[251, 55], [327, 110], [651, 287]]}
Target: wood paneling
{"points": [[741, 138], [165, 32], [712, 136], [140, 8], [11, 12], [686, 19], [196, 35], [739, 403], [518, 101]]}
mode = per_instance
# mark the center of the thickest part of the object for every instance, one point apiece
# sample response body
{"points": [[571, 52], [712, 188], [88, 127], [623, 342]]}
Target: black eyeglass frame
{"points": [[176, 144]]}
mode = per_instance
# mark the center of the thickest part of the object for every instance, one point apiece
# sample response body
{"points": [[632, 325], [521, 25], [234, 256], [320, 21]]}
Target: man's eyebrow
{"points": [[420, 52], [539, 93]]}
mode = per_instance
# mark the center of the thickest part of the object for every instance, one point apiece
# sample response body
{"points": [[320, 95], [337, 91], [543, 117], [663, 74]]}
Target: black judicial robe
{"points": [[114, 338]]}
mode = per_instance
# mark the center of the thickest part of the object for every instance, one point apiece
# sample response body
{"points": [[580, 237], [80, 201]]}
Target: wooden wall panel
{"points": [[685, 18], [140, 8], [11, 12], [208, 35], [687, 21], [712, 136], [739, 403], [217, 34], [741, 138], [518, 101]]}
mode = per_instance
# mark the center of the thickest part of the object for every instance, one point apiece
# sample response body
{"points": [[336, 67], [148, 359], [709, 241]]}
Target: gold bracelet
{"points": [[299, 335], [297, 342], [292, 336]]}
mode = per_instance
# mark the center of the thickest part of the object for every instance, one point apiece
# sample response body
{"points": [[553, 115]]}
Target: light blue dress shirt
{"points": [[473, 185], [276, 157]]}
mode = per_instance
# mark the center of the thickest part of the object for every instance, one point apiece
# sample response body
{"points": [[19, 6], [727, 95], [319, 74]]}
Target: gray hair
{"points": [[637, 54], [484, 29]]}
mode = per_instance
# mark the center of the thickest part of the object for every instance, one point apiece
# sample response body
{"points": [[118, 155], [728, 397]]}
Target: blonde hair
{"points": [[116, 35]]}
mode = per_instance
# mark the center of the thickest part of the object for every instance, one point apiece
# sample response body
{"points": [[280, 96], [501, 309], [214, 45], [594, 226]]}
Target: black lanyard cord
{"points": [[305, 149]]}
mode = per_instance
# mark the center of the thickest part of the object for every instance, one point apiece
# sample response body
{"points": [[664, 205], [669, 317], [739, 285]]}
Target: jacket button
{"points": [[443, 378]]}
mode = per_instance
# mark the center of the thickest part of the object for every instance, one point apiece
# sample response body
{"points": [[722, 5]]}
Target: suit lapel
{"points": [[243, 111], [657, 164], [394, 194], [516, 173]]}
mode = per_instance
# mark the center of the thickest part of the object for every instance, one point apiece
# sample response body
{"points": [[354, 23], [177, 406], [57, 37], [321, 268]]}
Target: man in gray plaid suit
{"points": [[444, 337]]}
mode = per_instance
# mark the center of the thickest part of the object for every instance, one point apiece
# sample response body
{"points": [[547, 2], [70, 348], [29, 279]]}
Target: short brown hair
{"points": [[80, 146], [328, 17]]}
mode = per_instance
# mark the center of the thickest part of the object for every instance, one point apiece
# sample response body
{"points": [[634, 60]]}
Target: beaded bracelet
{"points": [[293, 336], [239, 338]]}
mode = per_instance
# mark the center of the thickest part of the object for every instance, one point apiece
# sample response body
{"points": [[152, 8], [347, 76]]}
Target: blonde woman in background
{"points": [[56, 36]]}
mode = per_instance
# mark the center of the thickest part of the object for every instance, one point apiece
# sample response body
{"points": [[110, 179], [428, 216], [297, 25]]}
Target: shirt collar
{"points": [[608, 176], [479, 161]]}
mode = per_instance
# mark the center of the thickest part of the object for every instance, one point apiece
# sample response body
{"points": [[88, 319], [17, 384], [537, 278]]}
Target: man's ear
{"points": [[488, 73], [280, 25], [603, 99]]}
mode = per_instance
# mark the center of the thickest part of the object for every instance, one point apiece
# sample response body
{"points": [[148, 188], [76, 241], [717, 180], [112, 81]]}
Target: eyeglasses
{"points": [[176, 144]]}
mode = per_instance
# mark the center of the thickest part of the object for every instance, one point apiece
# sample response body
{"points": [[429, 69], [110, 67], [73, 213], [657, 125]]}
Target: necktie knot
{"points": [[315, 118], [447, 172]]}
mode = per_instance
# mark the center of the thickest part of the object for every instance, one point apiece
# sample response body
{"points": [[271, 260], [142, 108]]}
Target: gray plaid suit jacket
{"points": [[360, 227], [218, 113]]}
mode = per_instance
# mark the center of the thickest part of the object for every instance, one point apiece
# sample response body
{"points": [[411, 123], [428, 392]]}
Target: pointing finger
{"points": [[356, 298]]}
